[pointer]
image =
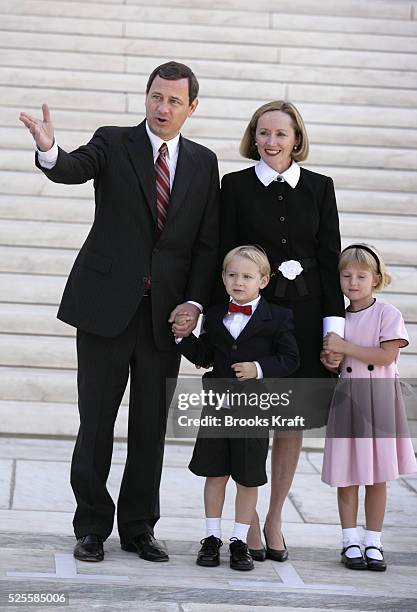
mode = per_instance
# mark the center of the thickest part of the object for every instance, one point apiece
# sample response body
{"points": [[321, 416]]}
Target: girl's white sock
{"points": [[214, 527], [351, 536], [240, 531], [373, 538]]}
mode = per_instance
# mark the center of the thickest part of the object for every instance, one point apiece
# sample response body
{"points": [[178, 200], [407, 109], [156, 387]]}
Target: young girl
{"points": [[367, 404]]}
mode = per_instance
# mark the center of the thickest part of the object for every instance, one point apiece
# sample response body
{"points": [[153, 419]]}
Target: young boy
{"points": [[245, 339]]}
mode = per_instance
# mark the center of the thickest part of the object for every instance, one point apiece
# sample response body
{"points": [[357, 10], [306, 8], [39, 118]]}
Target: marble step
{"points": [[39, 233], [40, 320], [33, 320], [34, 183], [81, 210], [80, 79], [327, 15], [17, 148], [402, 9], [60, 386], [72, 235], [86, 122], [117, 11], [105, 18], [60, 353], [209, 108], [279, 36], [367, 77], [98, 52], [49, 418], [48, 289], [46, 209], [58, 262]]}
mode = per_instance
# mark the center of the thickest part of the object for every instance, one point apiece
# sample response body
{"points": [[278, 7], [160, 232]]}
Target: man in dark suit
{"points": [[149, 255]]}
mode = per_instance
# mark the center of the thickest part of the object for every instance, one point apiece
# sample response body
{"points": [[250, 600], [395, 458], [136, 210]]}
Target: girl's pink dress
{"points": [[368, 404]]}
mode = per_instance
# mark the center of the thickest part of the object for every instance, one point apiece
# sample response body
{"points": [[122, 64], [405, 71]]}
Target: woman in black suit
{"points": [[291, 212]]}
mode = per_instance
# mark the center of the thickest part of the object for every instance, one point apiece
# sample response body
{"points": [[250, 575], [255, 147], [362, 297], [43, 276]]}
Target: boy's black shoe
{"points": [[240, 558], [209, 553]]}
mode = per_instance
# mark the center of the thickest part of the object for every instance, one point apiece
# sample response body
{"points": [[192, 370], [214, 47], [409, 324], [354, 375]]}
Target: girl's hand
{"points": [[331, 361], [245, 370], [333, 343]]}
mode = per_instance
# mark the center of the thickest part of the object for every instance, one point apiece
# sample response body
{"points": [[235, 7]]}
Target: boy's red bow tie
{"points": [[247, 310]]}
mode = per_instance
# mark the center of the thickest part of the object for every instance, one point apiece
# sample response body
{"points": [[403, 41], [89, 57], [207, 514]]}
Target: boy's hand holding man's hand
{"points": [[245, 370], [183, 323]]}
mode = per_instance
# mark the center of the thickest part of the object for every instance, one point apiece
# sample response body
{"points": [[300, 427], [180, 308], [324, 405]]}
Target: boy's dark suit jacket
{"points": [[267, 338]]}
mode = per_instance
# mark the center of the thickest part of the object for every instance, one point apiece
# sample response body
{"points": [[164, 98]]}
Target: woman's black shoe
{"points": [[258, 554], [355, 563], [209, 553], [375, 565], [273, 553]]}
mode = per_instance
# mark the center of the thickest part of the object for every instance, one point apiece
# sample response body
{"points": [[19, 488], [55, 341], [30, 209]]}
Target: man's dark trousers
{"points": [[103, 366]]}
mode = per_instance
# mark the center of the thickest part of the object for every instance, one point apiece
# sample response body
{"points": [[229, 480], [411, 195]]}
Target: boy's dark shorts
{"points": [[243, 459]]}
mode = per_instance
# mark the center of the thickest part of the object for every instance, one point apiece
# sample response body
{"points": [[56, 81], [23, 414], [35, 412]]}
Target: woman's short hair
{"points": [[368, 258], [248, 148], [254, 253]]}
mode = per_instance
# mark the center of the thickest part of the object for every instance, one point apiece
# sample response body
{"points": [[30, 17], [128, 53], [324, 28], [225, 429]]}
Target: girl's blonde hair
{"points": [[248, 147], [365, 256], [254, 253]]}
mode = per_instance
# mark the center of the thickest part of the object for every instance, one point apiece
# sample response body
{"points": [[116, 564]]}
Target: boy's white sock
{"points": [[240, 531], [214, 527], [351, 536], [373, 538]]}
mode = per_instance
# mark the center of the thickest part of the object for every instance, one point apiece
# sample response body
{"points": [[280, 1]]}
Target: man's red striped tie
{"points": [[162, 186]]}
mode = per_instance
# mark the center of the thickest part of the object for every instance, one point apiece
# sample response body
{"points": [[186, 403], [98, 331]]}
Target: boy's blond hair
{"points": [[366, 257], [254, 254]]}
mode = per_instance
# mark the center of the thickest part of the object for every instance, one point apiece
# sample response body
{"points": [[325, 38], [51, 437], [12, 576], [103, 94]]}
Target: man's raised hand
{"points": [[42, 131]]}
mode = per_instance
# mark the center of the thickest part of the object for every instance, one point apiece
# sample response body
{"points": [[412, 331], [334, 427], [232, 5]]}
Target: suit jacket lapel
{"points": [[140, 152], [257, 320], [218, 322], [184, 174]]}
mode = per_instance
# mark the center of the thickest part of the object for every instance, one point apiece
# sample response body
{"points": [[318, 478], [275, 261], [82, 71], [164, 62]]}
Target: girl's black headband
{"points": [[368, 250]]}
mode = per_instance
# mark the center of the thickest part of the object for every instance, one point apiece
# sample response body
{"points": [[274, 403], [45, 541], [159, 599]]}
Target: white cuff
{"points": [[47, 159], [195, 304], [334, 324], [259, 374], [177, 340]]}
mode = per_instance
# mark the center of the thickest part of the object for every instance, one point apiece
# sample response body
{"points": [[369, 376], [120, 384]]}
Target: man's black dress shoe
{"points": [[275, 554], [209, 553], [89, 548], [376, 565], [146, 547], [240, 558], [355, 563], [258, 554]]}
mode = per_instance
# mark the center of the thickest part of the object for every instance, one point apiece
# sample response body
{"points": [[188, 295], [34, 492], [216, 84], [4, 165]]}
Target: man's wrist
{"points": [[196, 304]]}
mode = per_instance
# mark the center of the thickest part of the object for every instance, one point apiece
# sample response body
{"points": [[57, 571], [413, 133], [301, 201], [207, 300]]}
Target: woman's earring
{"points": [[295, 147]]}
